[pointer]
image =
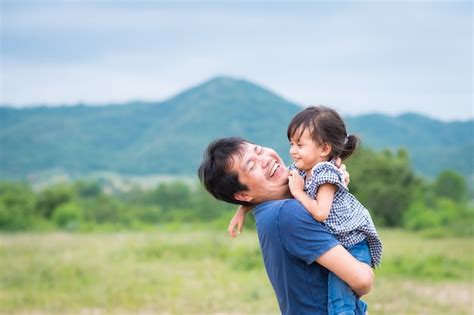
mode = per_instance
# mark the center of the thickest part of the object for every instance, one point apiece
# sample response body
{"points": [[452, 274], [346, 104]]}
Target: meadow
{"points": [[189, 270]]}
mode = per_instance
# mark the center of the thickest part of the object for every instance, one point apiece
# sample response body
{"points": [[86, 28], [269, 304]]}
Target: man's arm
{"points": [[310, 241], [359, 276]]}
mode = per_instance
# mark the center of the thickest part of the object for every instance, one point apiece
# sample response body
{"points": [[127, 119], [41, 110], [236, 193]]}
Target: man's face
{"points": [[264, 173]]}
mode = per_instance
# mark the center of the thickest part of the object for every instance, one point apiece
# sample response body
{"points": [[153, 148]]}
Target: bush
{"points": [[384, 183], [68, 216], [16, 207], [440, 216], [51, 198], [451, 185]]}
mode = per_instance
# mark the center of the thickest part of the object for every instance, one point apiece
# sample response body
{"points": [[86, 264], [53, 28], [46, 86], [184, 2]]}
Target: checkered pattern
{"points": [[348, 219]]}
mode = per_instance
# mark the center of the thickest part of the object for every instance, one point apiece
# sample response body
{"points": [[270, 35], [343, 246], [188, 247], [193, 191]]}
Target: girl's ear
{"points": [[327, 148], [242, 196]]}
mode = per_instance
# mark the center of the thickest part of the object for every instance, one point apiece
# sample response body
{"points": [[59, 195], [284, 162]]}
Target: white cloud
{"points": [[361, 57]]}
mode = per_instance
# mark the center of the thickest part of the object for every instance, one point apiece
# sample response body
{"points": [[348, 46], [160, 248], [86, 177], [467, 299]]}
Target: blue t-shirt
{"points": [[291, 240]]}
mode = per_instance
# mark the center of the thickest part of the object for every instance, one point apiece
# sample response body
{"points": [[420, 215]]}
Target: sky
{"points": [[358, 57]]}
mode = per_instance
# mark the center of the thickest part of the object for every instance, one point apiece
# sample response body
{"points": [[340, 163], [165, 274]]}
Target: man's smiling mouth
{"points": [[274, 168]]}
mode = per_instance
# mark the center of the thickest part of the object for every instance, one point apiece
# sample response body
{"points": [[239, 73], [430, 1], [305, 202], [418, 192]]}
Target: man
{"points": [[296, 249]]}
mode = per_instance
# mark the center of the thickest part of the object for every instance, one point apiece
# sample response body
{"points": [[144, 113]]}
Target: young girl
{"points": [[317, 138]]}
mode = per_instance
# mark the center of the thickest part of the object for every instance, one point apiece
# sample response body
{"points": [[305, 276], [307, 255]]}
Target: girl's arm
{"points": [[318, 208], [237, 222]]}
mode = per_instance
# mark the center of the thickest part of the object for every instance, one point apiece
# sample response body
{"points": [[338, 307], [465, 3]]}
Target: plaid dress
{"points": [[348, 219]]}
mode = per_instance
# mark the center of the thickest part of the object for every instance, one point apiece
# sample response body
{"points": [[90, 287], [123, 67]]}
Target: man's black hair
{"points": [[214, 171]]}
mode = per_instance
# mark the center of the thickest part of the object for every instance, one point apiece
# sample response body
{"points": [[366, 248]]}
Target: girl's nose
{"points": [[292, 150]]}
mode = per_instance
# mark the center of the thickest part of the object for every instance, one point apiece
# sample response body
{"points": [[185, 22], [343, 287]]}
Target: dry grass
{"points": [[204, 272]]}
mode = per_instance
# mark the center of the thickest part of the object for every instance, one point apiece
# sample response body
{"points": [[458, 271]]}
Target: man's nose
{"points": [[265, 161]]}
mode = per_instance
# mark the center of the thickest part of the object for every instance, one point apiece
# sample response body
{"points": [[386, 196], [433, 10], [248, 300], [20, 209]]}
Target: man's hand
{"points": [[296, 184], [345, 173]]}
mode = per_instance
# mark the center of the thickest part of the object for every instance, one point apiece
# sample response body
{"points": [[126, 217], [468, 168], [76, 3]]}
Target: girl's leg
{"points": [[341, 299]]}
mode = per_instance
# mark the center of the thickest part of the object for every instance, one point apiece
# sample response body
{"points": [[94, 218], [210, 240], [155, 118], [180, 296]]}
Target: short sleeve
{"points": [[301, 235], [327, 173], [293, 167]]}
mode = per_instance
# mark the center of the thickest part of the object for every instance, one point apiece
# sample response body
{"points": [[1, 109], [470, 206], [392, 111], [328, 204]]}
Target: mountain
{"points": [[141, 138], [433, 145], [169, 137]]}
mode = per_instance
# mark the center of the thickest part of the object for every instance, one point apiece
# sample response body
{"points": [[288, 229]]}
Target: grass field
{"points": [[204, 272]]}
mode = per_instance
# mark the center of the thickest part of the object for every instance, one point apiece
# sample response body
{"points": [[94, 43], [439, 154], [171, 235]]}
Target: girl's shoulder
{"points": [[326, 167], [327, 172]]}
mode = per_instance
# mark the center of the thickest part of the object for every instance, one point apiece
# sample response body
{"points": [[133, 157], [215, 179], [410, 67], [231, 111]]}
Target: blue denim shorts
{"points": [[342, 300]]}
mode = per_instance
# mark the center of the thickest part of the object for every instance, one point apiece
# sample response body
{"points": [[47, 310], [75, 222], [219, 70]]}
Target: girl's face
{"points": [[305, 152]]}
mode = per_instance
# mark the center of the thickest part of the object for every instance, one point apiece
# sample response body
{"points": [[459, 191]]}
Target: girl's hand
{"points": [[237, 222], [296, 184]]}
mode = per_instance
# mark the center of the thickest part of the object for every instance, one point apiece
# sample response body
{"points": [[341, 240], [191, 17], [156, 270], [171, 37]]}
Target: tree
{"points": [[16, 206], [68, 215], [51, 198], [451, 185], [175, 195], [384, 183], [87, 189]]}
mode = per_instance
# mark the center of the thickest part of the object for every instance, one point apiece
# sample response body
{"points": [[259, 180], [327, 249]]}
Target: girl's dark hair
{"points": [[325, 126]]}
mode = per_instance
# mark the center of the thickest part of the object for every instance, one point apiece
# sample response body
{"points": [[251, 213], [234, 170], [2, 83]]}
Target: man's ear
{"points": [[327, 148], [242, 196]]}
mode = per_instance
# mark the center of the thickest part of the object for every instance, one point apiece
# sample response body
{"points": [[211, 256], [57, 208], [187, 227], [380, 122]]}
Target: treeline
{"points": [[84, 206], [383, 181], [396, 197]]}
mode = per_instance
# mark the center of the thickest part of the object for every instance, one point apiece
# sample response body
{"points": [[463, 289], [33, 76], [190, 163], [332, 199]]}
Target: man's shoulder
{"points": [[293, 212], [286, 211], [301, 235], [282, 205]]}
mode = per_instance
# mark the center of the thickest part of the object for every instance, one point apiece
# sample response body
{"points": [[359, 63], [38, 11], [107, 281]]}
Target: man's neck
{"points": [[276, 196]]}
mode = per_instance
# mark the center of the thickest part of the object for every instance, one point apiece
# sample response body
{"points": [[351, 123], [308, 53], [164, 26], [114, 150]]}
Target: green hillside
{"points": [[169, 137], [433, 145]]}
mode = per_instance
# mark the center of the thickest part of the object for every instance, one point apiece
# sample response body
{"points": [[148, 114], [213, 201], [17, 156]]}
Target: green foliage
{"points": [[440, 217], [51, 198], [175, 201], [174, 195], [68, 215], [438, 209], [422, 216], [450, 184], [383, 182], [102, 209], [87, 189], [16, 206], [433, 145]]}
